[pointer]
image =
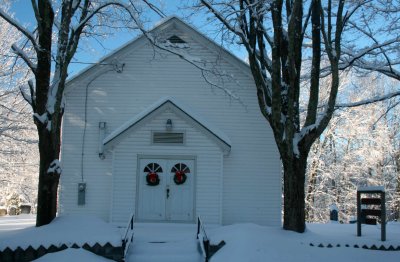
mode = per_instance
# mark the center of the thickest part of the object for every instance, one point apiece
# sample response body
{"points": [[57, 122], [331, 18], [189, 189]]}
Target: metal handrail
{"points": [[205, 242], [128, 238], [207, 249], [200, 226]]}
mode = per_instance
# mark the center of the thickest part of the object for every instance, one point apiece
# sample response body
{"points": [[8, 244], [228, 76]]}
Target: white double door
{"points": [[167, 200]]}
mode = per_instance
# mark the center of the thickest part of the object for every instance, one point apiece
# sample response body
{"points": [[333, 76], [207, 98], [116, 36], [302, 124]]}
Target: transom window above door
{"points": [[153, 168], [180, 167]]}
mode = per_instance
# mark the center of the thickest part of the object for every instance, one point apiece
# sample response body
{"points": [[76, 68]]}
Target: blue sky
{"points": [[23, 12]]}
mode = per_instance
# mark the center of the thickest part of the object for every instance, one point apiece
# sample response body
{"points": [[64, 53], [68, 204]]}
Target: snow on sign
{"points": [[160, 110]]}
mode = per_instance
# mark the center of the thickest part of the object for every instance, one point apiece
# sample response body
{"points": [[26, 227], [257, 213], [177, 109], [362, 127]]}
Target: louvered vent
{"points": [[176, 40], [167, 138]]}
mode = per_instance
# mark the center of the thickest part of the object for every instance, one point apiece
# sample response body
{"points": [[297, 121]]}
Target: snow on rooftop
{"points": [[186, 109], [372, 188], [164, 20], [333, 207]]}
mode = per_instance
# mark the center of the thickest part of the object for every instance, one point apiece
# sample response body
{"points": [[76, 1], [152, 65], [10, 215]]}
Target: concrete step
{"points": [[176, 251], [164, 243]]}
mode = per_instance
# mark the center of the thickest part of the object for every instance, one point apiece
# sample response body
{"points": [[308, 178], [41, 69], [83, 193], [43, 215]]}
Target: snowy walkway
{"points": [[164, 243]]}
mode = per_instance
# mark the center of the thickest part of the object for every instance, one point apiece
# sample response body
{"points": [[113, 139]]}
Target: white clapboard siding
{"points": [[207, 170], [251, 182]]}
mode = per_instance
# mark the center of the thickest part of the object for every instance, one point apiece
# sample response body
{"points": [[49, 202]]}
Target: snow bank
{"points": [[68, 229], [253, 243], [72, 254], [177, 242]]}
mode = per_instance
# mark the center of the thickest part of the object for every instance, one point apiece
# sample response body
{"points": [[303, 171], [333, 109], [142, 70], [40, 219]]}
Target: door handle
{"points": [[167, 193]]}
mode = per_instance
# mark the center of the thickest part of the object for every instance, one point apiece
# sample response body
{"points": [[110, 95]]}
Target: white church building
{"points": [[148, 133]]}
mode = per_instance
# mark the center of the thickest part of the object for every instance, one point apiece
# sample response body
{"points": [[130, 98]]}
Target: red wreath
{"points": [[180, 177], [152, 179]]}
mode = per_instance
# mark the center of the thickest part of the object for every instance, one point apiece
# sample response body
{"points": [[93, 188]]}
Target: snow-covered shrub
{"points": [[3, 211]]}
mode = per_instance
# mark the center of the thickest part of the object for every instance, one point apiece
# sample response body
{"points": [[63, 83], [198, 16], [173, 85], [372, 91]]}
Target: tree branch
{"points": [[18, 51], [368, 101], [19, 27]]}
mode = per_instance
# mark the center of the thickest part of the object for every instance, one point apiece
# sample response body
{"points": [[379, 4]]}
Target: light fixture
{"points": [[168, 125]]}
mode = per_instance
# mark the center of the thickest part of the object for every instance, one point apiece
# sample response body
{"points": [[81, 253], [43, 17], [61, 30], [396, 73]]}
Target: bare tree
{"points": [[358, 148], [379, 47], [53, 43], [18, 149], [279, 36]]}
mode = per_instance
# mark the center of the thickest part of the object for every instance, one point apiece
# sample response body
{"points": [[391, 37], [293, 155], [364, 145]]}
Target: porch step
{"points": [[163, 242], [179, 251]]}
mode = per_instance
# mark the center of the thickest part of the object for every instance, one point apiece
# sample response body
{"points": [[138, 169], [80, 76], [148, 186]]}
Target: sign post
{"points": [[365, 212]]}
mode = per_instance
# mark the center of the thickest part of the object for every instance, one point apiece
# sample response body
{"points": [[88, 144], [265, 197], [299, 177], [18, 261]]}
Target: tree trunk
{"points": [[48, 181], [294, 178]]}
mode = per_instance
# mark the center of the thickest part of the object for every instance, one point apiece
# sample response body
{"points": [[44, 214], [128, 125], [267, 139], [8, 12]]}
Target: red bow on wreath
{"points": [[180, 177], [152, 179]]}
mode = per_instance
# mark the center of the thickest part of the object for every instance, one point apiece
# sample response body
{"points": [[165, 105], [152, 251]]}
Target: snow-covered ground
{"points": [[63, 230], [72, 254], [253, 243], [244, 242], [11, 224]]}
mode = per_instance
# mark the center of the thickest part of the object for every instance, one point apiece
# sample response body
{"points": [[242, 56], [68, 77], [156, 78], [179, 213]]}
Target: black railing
{"points": [[204, 242], [206, 248], [128, 238]]}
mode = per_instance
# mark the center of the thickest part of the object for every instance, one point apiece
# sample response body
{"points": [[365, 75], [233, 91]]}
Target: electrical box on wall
{"points": [[81, 193]]}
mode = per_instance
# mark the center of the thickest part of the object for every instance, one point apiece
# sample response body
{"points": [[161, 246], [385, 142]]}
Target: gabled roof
{"points": [[189, 114], [160, 26]]}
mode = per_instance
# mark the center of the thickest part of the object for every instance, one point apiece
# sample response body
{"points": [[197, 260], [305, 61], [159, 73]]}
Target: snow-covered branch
{"points": [[353, 57], [369, 101], [18, 51], [221, 18], [20, 28], [25, 96]]}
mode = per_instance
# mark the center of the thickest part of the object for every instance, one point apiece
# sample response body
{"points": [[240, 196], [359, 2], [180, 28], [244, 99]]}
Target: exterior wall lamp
{"points": [[168, 125]]}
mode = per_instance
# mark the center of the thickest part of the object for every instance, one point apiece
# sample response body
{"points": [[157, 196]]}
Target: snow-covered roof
{"points": [[189, 112], [372, 188]]}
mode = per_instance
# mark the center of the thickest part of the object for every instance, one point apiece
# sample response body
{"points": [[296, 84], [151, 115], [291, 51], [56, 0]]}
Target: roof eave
{"points": [[110, 139]]}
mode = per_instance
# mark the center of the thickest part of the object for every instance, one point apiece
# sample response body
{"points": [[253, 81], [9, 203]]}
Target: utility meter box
{"points": [[81, 193]]}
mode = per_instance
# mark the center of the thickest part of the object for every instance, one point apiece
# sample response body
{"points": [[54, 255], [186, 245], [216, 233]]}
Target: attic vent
{"points": [[168, 138], [176, 40]]}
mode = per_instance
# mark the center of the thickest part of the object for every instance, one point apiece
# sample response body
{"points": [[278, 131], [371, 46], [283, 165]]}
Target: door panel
{"points": [[180, 202], [152, 198], [167, 200]]}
